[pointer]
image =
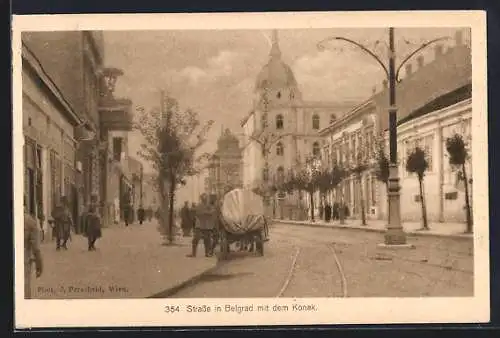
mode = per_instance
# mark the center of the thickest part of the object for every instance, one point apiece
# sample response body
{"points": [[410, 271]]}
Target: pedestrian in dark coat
{"points": [[140, 214], [335, 211], [186, 220], [93, 226], [63, 222], [328, 212], [205, 219]]}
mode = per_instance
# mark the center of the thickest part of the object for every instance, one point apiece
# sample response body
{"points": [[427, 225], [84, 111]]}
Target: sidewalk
{"points": [[452, 230], [130, 262]]}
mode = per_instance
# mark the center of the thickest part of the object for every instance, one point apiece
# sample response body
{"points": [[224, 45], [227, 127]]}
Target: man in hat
{"points": [[63, 222], [141, 214], [204, 226], [186, 220], [32, 253], [92, 224]]}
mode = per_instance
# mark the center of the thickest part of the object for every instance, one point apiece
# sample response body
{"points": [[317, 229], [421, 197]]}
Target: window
{"points": [[265, 175], [427, 147], [279, 149], [39, 182], [315, 121], [29, 174], [315, 149], [278, 95], [280, 173], [426, 144], [334, 155], [117, 148], [33, 188], [279, 121], [292, 95], [264, 120]]}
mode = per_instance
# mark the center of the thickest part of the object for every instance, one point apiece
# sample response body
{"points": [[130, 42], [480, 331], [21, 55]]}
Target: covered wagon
{"points": [[242, 218]]}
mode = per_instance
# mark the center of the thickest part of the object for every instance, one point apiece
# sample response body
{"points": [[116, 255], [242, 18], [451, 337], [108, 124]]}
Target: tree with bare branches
{"points": [[173, 138]]}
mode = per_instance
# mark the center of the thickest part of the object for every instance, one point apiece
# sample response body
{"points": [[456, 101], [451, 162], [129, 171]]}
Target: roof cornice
{"points": [[34, 64]]}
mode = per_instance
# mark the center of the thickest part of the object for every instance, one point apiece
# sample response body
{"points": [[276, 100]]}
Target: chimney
{"points": [[438, 50], [408, 69], [420, 61], [459, 38]]}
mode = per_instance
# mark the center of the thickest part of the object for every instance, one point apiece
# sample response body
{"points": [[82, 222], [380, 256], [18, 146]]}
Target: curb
{"points": [[369, 229], [186, 283]]}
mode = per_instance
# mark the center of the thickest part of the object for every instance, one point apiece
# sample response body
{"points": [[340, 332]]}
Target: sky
{"points": [[213, 71]]}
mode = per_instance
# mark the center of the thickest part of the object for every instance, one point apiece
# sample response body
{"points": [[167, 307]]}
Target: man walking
{"points": [[204, 226], [63, 223], [186, 220], [328, 212], [32, 253], [93, 224], [140, 214]]}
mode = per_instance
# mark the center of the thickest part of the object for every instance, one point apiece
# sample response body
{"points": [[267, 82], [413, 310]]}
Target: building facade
{"points": [[56, 109], [282, 128], [433, 100], [70, 63], [225, 167]]}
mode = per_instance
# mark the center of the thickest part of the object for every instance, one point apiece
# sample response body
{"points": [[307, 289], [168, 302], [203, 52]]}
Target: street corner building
{"points": [[283, 131], [434, 102], [69, 114]]}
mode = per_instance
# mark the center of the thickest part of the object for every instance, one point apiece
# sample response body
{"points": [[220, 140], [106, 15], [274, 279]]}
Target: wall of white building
{"points": [[444, 196]]}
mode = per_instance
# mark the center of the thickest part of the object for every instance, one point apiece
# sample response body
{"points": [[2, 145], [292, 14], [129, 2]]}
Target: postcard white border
{"points": [[149, 312]]}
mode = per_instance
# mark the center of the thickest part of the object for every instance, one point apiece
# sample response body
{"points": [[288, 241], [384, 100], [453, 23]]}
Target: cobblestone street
{"points": [[130, 262], [300, 262]]}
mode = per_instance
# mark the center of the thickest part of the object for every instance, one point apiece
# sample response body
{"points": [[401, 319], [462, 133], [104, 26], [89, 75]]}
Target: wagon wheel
{"points": [[224, 245], [260, 244]]}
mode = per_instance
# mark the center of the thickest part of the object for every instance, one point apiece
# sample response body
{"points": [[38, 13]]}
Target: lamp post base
{"points": [[395, 235]]}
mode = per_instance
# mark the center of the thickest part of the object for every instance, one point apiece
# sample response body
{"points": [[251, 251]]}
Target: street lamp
{"points": [[395, 234]]}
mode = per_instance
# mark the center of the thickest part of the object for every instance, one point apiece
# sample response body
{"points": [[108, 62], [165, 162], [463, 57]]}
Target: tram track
{"points": [[451, 254], [339, 277]]}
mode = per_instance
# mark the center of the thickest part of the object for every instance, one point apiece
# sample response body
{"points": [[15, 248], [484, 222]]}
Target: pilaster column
{"points": [[440, 168]]}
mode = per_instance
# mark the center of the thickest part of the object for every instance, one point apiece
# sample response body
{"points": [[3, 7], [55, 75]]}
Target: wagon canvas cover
{"points": [[242, 211]]}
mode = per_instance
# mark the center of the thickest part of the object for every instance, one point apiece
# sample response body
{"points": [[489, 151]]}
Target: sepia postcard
{"points": [[250, 169]]}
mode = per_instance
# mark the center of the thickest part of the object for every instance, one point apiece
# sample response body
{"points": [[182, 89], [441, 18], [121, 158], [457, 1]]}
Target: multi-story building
{"points": [[225, 167], [433, 100], [63, 71], [60, 71], [282, 129]]}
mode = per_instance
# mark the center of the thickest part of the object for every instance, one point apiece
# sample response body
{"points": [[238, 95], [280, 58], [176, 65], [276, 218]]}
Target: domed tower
{"points": [[276, 84]]}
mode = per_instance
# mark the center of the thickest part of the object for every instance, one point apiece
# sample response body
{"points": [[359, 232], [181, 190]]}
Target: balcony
{"points": [[115, 114]]}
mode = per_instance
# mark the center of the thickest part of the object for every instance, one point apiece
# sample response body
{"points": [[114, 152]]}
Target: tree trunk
{"points": [[387, 199], [171, 197], [362, 202], [467, 202], [311, 196], [163, 207], [422, 201]]}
